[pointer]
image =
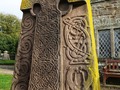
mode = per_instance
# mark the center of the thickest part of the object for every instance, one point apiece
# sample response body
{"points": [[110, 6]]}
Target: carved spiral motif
{"points": [[21, 86], [23, 58], [27, 23], [22, 68], [26, 44]]}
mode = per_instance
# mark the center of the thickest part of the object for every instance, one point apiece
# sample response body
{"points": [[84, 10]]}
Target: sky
{"points": [[11, 7]]}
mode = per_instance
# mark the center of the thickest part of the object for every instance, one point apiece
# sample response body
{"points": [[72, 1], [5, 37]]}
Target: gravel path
{"points": [[6, 69]]}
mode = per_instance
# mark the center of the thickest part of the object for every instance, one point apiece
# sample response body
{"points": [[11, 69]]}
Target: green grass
{"points": [[5, 81], [7, 62]]}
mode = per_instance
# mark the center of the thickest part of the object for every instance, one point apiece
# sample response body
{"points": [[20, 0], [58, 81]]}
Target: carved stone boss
{"points": [[54, 51]]}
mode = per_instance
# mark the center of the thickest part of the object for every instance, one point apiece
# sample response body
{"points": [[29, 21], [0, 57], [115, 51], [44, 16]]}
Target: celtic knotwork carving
{"points": [[77, 50], [76, 77], [45, 56], [43, 66], [47, 75], [77, 39]]}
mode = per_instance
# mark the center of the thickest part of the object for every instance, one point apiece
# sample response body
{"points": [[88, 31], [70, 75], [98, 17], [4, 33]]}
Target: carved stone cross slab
{"points": [[54, 51]]}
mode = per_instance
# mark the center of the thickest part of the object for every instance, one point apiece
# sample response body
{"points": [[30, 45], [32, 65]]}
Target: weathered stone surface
{"points": [[55, 49], [75, 49], [45, 56], [24, 53]]}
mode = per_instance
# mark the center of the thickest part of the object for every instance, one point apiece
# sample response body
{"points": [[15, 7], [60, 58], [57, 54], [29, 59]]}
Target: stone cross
{"points": [[54, 51]]}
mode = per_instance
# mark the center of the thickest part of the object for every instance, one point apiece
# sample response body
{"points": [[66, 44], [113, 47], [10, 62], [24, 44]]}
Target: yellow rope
{"points": [[94, 68]]}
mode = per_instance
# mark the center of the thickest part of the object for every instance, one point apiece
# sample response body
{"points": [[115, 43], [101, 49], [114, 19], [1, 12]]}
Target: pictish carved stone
{"points": [[75, 48], [24, 53], [54, 51], [45, 55]]}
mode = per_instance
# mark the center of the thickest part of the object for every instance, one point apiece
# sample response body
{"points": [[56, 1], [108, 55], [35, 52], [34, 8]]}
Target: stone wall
{"points": [[106, 14], [96, 1]]}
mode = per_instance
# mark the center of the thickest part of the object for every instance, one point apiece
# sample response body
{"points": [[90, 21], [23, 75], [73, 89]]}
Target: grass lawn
{"points": [[7, 62], [5, 81]]}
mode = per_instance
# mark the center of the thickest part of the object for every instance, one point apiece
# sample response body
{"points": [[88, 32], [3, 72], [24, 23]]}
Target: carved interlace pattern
{"points": [[45, 58], [39, 64], [77, 39], [77, 51]]}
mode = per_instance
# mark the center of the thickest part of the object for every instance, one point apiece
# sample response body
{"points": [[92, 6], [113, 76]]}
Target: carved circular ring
{"points": [[26, 44], [22, 68], [27, 23], [21, 86]]}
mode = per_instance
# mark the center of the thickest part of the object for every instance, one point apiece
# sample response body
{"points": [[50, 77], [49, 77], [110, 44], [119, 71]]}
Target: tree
{"points": [[9, 35], [9, 23]]}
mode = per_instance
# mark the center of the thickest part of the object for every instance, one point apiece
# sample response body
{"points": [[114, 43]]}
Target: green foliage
{"points": [[5, 41], [9, 43], [7, 62], [5, 81], [10, 26], [9, 23]]}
